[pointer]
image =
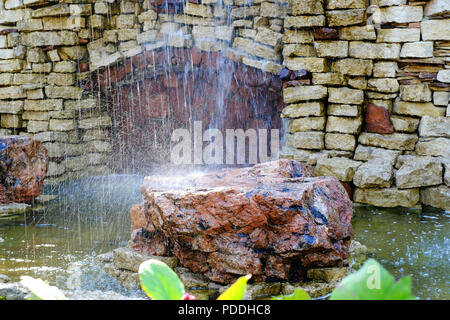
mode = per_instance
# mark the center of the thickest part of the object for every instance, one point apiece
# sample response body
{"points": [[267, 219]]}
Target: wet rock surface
{"points": [[274, 221], [23, 165]]}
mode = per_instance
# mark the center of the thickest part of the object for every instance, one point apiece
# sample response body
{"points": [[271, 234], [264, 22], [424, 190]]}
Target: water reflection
{"points": [[60, 242]]}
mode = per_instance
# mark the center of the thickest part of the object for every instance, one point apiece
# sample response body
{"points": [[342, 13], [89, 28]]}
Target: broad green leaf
{"points": [[159, 281], [41, 290], [373, 282], [237, 290], [298, 294]]}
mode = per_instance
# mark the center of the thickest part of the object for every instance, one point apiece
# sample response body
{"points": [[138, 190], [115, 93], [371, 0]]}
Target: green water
{"points": [[90, 217]]}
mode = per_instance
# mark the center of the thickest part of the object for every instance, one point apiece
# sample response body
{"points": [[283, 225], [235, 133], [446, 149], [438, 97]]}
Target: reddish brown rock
{"points": [[23, 165], [273, 220], [325, 33], [377, 120]]}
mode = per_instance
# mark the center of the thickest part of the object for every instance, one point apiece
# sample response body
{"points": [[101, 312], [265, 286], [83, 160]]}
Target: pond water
{"points": [[59, 243]]}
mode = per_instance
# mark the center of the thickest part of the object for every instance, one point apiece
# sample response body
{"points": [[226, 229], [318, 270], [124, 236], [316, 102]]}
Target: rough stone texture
{"points": [[419, 172], [376, 173], [341, 168], [225, 224], [23, 165], [387, 198], [377, 120], [438, 197]]}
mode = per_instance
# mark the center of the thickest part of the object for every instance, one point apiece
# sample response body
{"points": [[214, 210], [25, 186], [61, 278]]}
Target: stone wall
{"points": [[365, 83]]}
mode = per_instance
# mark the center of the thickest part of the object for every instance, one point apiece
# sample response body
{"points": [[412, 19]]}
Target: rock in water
{"points": [[274, 221], [23, 165]]}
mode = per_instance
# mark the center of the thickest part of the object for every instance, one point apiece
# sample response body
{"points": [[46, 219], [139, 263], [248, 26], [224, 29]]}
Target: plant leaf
{"points": [[299, 294], [237, 290], [41, 290], [373, 282], [159, 281]]}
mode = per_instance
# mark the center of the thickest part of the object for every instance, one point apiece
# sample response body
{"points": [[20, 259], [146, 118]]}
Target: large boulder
{"points": [[274, 221], [23, 165]]}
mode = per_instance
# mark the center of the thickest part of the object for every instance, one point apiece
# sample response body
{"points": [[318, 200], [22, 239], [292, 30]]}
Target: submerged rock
{"points": [[274, 221], [23, 166]]}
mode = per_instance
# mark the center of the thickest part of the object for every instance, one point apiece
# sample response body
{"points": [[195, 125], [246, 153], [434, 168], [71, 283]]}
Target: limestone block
{"points": [[303, 93], [404, 124], [434, 127], [253, 48], [422, 49], [357, 33], [337, 141], [444, 76], [11, 121], [376, 173], [13, 16], [346, 17], [433, 147], [354, 67], [385, 69], [62, 125], [61, 9], [437, 8], [344, 125], [63, 23], [274, 10], [35, 126], [202, 10], [50, 38], [305, 140], [436, 29], [300, 110], [341, 168], [299, 50], [291, 22], [345, 95], [440, 98], [419, 172], [65, 66], [41, 67], [269, 37], [43, 105], [415, 92], [387, 198], [328, 78], [59, 149], [12, 107], [65, 92], [438, 197], [367, 50], [306, 124], [419, 109], [346, 4], [398, 35], [364, 153], [61, 79], [97, 122], [13, 92], [346, 110], [395, 141], [387, 3], [13, 65], [301, 7], [310, 64], [388, 85], [298, 36], [35, 115], [401, 14], [331, 48]]}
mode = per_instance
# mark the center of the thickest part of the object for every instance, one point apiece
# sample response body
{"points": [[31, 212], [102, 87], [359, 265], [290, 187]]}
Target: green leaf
{"points": [[41, 290], [373, 282], [237, 290], [159, 281], [299, 294]]}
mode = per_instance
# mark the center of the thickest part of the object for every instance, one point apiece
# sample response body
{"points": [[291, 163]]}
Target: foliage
{"points": [[41, 290], [373, 282], [237, 290], [159, 281], [298, 294]]}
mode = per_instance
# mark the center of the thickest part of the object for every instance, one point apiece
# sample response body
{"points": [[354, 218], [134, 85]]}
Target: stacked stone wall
{"points": [[365, 83]]}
